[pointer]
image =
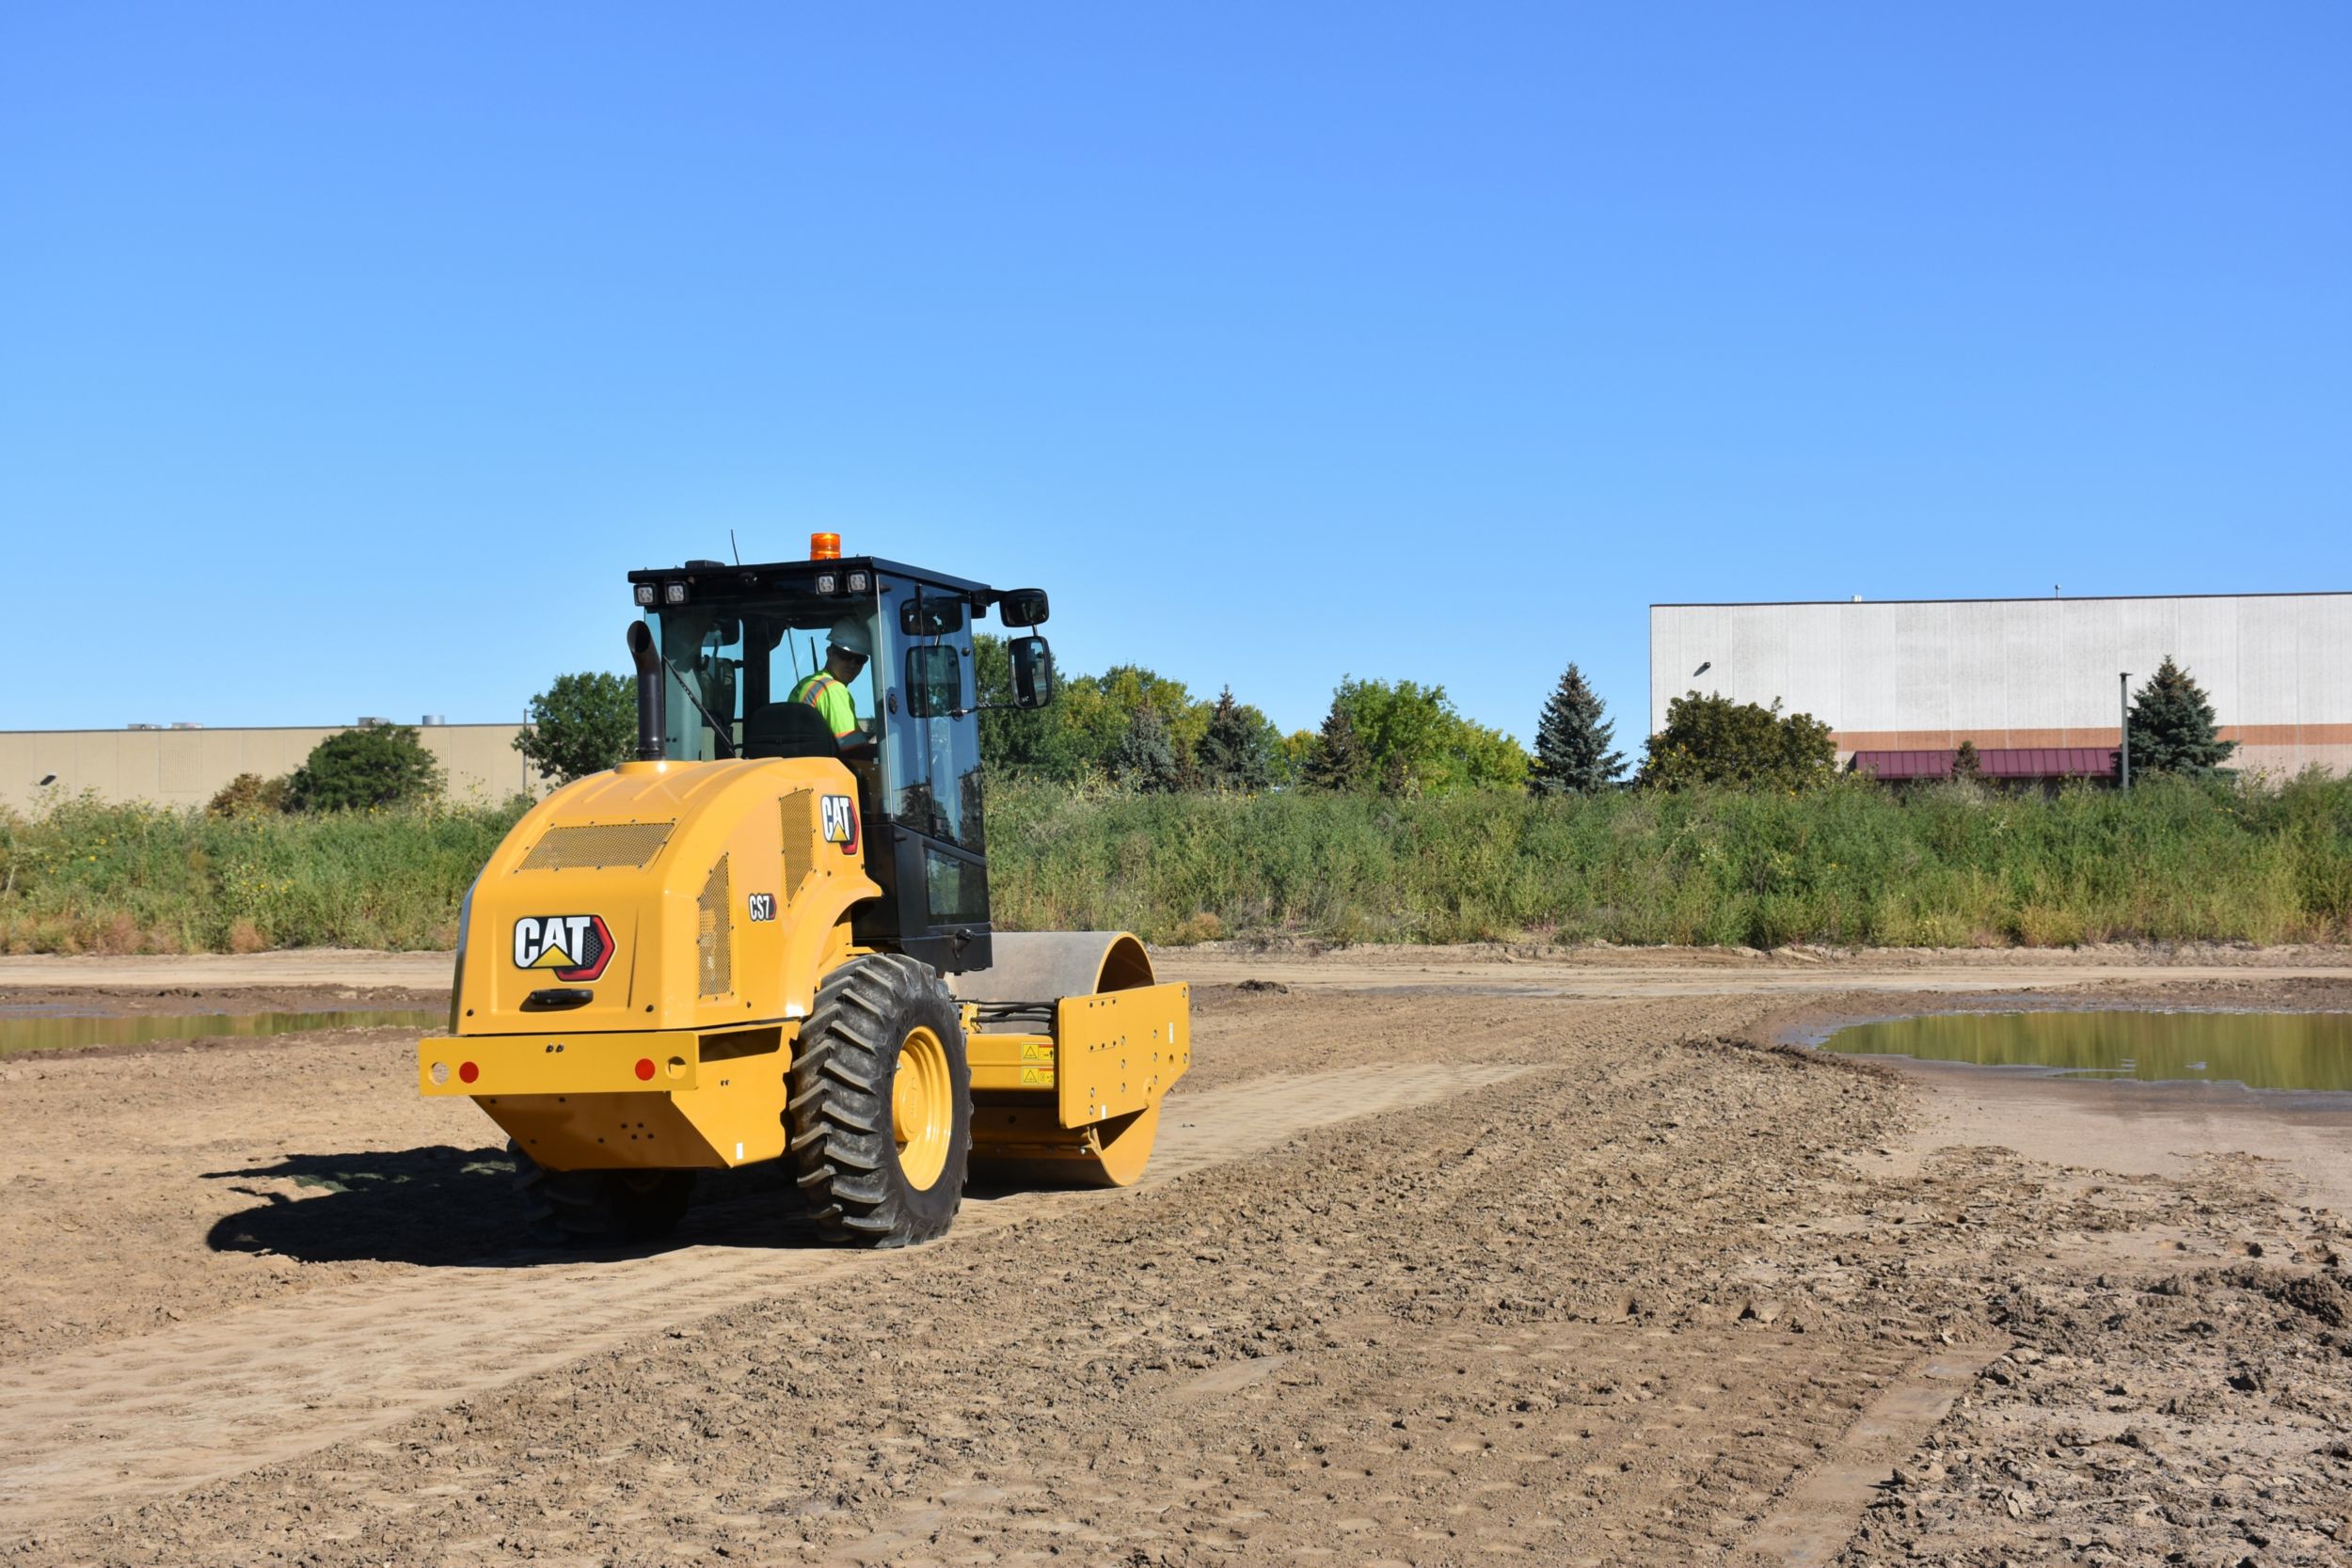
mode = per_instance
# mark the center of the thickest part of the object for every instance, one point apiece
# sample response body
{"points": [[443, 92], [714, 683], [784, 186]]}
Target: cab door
{"points": [[928, 851]]}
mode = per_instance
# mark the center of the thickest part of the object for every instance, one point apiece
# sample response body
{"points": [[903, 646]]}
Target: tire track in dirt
{"points": [[166, 1412], [1483, 1443], [1818, 1515]]}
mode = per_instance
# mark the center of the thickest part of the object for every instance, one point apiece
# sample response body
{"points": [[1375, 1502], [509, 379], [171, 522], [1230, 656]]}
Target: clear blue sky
{"points": [[350, 354]]}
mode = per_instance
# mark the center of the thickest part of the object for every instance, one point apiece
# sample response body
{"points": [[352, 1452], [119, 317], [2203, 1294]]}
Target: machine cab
{"points": [[863, 659]]}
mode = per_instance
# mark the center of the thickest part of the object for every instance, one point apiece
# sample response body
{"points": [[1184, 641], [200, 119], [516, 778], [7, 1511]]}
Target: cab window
{"points": [[735, 665], [931, 765]]}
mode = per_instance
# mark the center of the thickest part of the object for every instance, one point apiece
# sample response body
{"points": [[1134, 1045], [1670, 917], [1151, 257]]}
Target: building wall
{"points": [[187, 768], [1930, 673]]}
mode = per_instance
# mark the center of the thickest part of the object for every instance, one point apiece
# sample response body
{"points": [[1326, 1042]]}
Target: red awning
{"points": [[2015, 762]]}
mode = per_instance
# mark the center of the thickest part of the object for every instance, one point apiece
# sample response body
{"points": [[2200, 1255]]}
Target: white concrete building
{"points": [[2017, 675]]}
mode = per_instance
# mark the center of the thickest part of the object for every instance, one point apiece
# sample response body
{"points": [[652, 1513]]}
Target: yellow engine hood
{"points": [[676, 895]]}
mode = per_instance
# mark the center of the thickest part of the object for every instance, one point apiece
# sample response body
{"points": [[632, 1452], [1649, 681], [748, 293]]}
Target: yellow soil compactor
{"points": [[768, 937]]}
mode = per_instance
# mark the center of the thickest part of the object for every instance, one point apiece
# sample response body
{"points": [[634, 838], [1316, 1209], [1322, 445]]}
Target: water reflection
{"points": [[2262, 1051], [63, 1033]]}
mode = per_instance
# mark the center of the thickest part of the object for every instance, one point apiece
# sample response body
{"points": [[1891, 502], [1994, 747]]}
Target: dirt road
{"points": [[1473, 1266], [1598, 972]]}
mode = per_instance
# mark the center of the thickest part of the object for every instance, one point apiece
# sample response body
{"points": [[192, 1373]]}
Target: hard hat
{"points": [[851, 636]]}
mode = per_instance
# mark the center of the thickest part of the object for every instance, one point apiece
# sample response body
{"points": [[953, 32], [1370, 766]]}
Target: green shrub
{"points": [[1714, 740], [384, 764]]}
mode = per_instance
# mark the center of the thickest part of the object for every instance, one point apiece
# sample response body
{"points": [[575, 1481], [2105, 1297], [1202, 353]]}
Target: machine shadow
{"points": [[441, 1207]]}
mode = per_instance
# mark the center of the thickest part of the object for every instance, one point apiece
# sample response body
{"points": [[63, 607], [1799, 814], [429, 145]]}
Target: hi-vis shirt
{"points": [[832, 699]]}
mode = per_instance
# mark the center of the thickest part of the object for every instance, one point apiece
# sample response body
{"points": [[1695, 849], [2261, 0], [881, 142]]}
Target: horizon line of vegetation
{"points": [[1846, 864], [1128, 804]]}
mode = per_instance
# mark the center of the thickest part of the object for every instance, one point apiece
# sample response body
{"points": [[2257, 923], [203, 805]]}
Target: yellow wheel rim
{"points": [[922, 1108]]}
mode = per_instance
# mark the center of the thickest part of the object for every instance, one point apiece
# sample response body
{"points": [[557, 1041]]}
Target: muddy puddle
{"points": [[2310, 1052], [46, 1029]]}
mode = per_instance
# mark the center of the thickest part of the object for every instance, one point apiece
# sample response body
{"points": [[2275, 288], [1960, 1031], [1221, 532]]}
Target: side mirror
{"points": [[934, 680], [1023, 607], [1032, 671]]}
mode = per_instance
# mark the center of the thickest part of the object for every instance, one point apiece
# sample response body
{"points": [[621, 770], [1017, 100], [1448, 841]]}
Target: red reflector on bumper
{"points": [[467, 1072], [644, 1067]]}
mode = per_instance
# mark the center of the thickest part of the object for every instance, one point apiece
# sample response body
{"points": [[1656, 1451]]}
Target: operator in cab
{"points": [[849, 646]]}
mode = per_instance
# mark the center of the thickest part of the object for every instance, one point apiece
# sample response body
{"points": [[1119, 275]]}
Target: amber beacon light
{"points": [[824, 546]]}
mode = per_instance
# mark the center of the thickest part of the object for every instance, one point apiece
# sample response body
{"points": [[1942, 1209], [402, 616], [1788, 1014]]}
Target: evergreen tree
{"points": [[1967, 765], [1572, 754], [1233, 753], [1145, 757], [1340, 760], [2172, 725]]}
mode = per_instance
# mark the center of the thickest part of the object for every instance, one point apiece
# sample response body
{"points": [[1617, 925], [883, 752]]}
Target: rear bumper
{"points": [[630, 1062], [668, 1099]]}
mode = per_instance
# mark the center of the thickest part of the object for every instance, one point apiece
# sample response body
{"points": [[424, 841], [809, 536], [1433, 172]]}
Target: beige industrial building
{"points": [[1919, 677], [186, 765]]}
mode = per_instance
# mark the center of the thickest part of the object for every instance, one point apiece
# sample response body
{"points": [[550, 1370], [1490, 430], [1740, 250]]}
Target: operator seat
{"points": [[788, 730]]}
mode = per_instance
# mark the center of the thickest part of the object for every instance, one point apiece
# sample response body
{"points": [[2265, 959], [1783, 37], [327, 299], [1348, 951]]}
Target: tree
{"points": [[582, 724], [1049, 742], [1293, 752], [1716, 740], [1236, 748], [1076, 735], [1967, 765], [383, 765], [1572, 754], [1420, 745], [2172, 726], [1339, 760], [1145, 758]]}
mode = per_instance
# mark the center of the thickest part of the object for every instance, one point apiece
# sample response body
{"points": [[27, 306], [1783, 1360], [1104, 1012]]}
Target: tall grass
{"points": [[1855, 865], [86, 877]]}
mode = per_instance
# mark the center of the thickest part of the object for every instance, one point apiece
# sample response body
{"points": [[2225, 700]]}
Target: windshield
{"points": [[733, 665]]}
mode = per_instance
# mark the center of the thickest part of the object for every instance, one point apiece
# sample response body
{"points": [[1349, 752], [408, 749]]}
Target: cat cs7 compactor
{"points": [[768, 937]]}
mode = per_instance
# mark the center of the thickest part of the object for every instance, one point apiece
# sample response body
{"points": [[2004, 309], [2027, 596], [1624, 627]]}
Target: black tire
{"points": [[601, 1208], [840, 1120]]}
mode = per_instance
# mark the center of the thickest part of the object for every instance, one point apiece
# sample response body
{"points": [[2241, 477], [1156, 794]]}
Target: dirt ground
{"points": [[1456, 1256]]}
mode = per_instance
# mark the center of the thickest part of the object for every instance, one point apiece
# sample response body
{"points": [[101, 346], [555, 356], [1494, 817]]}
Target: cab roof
{"points": [[722, 576]]}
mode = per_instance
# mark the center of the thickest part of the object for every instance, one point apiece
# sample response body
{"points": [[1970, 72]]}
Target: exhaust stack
{"points": [[653, 695]]}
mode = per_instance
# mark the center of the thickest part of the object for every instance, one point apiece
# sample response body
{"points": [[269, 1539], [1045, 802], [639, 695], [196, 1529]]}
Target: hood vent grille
{"points": [[800, 840], [714, 933], [594, 845]]}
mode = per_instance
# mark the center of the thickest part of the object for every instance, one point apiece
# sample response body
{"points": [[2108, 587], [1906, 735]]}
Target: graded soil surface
{"points": [[1445, 1257]]}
